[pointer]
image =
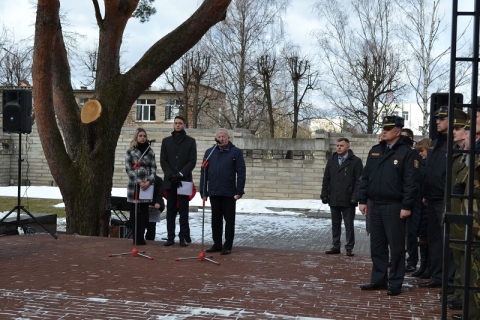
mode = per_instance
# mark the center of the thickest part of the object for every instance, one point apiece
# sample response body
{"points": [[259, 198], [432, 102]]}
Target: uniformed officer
{"points": [[434, 193], [389, 183], [459, 174]]}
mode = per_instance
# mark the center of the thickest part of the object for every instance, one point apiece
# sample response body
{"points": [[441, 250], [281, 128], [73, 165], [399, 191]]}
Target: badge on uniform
{"points": [[416, 164], [375, 154], [395, 162]]}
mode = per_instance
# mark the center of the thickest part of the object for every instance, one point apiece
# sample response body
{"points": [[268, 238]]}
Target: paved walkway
{"points": [[271, 274]]}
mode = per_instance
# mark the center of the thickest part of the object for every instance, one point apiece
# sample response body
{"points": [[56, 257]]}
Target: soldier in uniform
{"points": [[389, 183], [459, 174], [434, 193], [474, 297]]}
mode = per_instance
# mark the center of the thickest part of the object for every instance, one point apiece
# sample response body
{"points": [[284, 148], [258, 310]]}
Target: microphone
{"points": [[218, 141], [152, 141]]}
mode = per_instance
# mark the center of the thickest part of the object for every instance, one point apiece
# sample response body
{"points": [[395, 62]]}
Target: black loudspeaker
{"points": [[17, 111], [436, 101]]}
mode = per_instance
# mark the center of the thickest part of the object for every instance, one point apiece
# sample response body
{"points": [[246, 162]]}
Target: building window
{"points": [[146, 109], [171, 109], [82, 101], [405, 115]]}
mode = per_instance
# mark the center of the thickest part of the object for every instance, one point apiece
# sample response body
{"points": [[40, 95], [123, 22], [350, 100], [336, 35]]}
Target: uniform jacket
{"points": [[178, 153], [459, 174], [436, 170], [391, 175], [146, 171], [340, 182], [225, 173]]}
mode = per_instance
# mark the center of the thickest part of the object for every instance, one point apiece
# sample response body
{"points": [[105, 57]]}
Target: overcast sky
{"points": [[19, 16]]}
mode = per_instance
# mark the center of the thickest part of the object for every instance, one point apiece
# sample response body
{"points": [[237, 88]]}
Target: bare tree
{"points": [[250, 25], [81, 155], [429, 68], [303, 80], [363, 64], [15, 60]]}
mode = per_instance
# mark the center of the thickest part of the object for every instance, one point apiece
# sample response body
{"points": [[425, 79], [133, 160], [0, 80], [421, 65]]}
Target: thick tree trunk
{"points": [[81, 156]]}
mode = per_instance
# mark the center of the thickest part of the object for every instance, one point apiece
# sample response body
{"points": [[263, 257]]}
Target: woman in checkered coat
{"points": [[141, 169]]}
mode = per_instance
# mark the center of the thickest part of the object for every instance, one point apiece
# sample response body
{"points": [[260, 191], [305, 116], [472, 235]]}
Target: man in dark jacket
{"points": [[339, 190], [222, 179], [433, 197], [178, 157], [389, 183]]}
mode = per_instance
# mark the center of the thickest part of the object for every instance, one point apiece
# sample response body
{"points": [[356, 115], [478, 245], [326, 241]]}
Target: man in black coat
{"points": [[178, 157], [389, 183], [433, 197], [339, 190]]}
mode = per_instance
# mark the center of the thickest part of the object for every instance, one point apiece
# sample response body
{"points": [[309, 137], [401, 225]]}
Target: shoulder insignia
{"points": [[416, 164], [375, 154]]}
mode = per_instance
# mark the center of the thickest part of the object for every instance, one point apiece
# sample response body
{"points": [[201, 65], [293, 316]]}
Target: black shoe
{"points": [[168, 243], [457, 316], [183, 243], [213, 249], [394, 291], [456, 304], [410, 268], [225, 251], [349, 253], [430, 284], [333, 251], [426, 274], [373, 286], [188, 239]]}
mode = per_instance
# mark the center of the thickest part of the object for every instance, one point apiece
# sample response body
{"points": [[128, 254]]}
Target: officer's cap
{"points": [[467, 125], [393, 121], [442, 112], [460, 118]]}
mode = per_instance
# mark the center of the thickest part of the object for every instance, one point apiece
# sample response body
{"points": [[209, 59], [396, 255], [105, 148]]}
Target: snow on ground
{"points": [[256, 214]]}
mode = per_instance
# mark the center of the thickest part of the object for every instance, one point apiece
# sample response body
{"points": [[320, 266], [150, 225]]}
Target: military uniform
{"points": [[389, 183]]}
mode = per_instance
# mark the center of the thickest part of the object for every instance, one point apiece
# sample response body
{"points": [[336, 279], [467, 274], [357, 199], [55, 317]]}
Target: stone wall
{"points": [[269, 175]]}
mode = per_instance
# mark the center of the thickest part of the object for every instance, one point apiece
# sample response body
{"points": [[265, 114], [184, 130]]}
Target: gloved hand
{"points": [[353, 202], [176, 183], [175, 176], [459, 188], [325, 200]]}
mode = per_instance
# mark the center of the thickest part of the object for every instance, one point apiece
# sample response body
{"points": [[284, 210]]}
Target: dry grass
{"points": [[33, 205]]}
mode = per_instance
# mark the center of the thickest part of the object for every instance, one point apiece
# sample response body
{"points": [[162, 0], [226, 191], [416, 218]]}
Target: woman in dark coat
{"points": [[141, 168]]}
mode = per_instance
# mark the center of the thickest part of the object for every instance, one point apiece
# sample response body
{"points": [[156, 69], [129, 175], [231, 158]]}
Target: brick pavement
{"points": [[73, 278]]}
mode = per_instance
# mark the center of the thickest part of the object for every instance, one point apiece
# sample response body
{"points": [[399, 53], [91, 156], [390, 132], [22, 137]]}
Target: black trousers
{"points": [[142, 221], [151, 231], [387, 230], [348, 214], [172, 214], [435, 212], [412, 244], [223, 208]]}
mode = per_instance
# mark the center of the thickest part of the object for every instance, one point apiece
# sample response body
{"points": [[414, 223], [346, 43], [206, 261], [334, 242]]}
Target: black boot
{"points": [[423, 261]]}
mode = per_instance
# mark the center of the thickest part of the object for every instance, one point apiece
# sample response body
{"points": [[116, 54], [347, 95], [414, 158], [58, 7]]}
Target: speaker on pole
{"points": [[17, 110], [437, 100]]}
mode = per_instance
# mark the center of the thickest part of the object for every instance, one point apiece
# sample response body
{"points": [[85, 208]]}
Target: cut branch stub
{"points": [[91, 111]]}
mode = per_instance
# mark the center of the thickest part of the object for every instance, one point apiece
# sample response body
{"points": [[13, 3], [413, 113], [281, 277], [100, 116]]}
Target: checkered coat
{"points": [[146, 171]]}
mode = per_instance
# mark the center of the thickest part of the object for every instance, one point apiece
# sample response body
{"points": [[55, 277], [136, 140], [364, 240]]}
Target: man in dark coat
{"points": [[178, 157], [433, 197], [339, 190], [223, 180], [389, 183]]}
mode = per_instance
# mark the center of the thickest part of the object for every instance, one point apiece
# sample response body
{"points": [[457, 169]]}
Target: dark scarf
{"points": [[178, 136], [142, 146]]}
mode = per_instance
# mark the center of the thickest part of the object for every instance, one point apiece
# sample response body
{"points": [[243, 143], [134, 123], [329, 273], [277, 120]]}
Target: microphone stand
{"points": [[136, 193], [201, 255]]}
